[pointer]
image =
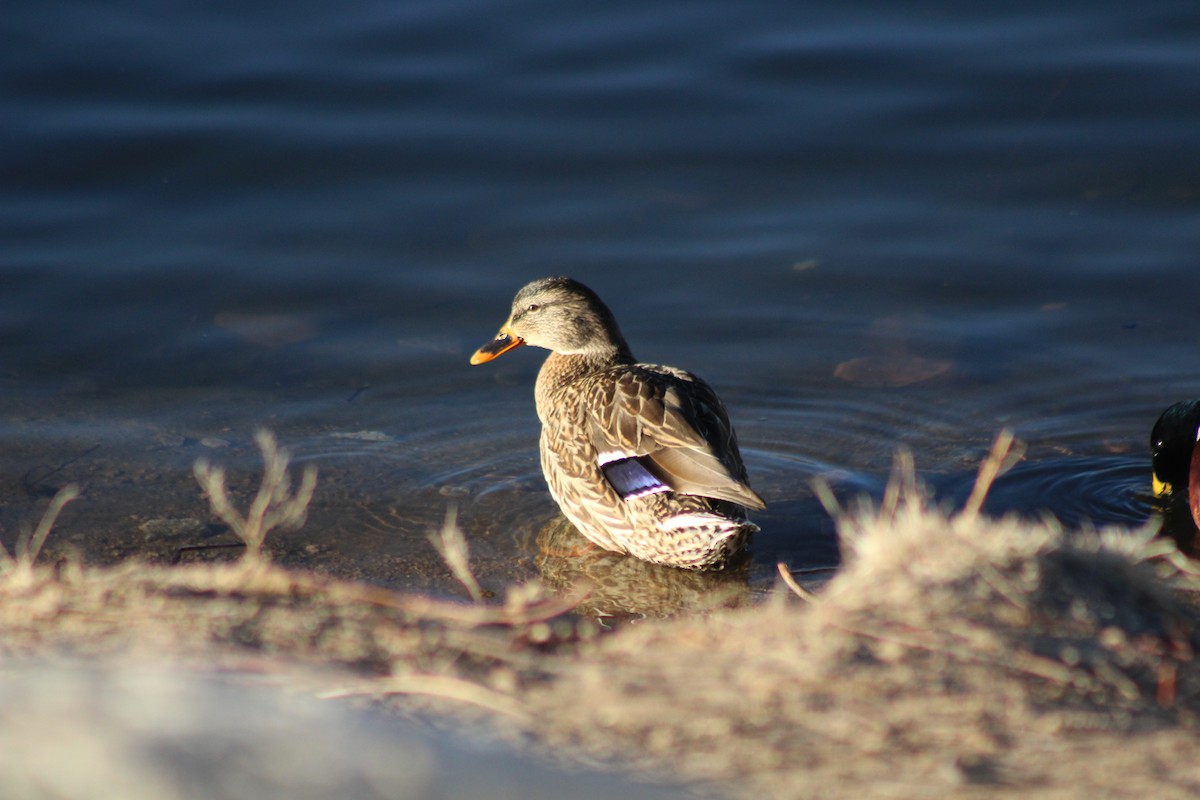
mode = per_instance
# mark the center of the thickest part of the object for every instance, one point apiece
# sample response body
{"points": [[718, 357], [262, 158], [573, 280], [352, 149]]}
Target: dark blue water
{"points": [[307, 215]]}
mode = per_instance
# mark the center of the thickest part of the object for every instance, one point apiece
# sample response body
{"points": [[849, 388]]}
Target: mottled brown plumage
{"points": [[640, 457]]}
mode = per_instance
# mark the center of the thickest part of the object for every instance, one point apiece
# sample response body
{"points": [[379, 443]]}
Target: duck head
{"points": [[1172, 449], [558, 314]]}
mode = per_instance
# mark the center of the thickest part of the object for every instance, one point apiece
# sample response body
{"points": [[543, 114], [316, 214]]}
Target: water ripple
{"points": [[1104, 490]]}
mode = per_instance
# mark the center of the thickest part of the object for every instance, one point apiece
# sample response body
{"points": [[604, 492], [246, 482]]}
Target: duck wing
{"points": [[673, 427]]}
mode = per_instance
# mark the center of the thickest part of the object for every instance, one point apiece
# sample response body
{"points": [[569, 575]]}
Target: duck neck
{"points": [[561, 370]]}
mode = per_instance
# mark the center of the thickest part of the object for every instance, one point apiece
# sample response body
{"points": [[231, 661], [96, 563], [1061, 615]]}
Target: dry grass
{"points": [[451, 544], [390, 642], [953, 656], [274, 506], [17, 568]]}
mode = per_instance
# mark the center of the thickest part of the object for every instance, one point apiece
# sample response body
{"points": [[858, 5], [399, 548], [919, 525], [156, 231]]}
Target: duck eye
{"points": [[532, 307]]}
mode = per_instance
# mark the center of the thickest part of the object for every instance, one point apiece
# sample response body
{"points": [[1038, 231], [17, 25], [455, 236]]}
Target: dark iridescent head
{"points": [[1172, 442]]}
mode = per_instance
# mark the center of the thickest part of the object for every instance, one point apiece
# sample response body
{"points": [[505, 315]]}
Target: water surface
{"points": [[868, 226]]}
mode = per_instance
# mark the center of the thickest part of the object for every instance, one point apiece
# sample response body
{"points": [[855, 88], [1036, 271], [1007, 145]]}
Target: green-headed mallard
{"points": [[1172, 443], [640, 457], [1175, 459]]}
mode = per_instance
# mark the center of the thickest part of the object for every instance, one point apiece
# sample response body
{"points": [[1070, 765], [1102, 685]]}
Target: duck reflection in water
{"points": [[1175, 459], [618, 585]]}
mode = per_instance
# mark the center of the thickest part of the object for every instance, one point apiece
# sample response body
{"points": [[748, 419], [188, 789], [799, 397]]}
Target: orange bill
{"points": [[503, 342]]}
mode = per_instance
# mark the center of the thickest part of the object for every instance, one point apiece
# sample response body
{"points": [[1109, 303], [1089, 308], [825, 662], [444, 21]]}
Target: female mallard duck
{"points": [[641, 458]]}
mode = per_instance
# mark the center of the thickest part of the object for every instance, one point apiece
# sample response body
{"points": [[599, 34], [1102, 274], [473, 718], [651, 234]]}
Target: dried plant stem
{"points": [[29, 545], [34, 544], [451, 545], [789, 580], [829, 501], [1005, 452], [438, 686], [902, 487], [274, 506]]}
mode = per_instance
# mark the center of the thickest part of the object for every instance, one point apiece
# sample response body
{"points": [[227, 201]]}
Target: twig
{"points": [[451, 545], [274, 506], [35, 543], [438, 686], [196, 548], [901, 485], [785, 575], [828, 500], [813, 570], [30, 484], [29, 545], [1005, 452]]}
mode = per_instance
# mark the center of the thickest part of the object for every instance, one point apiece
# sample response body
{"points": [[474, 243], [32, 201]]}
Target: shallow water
{"points": [[867, 226]]}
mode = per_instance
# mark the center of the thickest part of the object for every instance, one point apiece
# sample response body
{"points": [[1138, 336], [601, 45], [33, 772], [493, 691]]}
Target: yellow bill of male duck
{"points": [[641, 458]]}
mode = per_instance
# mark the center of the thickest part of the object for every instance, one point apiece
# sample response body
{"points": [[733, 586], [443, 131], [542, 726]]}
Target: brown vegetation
{"points": [[953, 656]]}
